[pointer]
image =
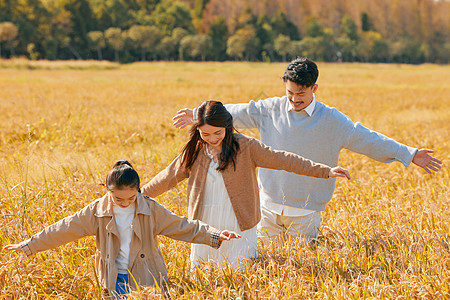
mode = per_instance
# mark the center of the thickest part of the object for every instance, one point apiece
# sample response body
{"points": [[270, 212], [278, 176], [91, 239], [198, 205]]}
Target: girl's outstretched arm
{"points": [[71, 228]]}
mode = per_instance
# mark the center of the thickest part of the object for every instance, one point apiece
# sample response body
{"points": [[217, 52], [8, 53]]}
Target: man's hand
{"points": [[426, 161], [339, 172], [183, 118], [226, 235]]}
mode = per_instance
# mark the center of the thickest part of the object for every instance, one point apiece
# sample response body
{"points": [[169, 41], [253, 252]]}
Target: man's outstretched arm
{"points": [[245, 115]]}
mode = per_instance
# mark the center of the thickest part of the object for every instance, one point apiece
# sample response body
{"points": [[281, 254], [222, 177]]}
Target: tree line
{"points": [[401, 31]]}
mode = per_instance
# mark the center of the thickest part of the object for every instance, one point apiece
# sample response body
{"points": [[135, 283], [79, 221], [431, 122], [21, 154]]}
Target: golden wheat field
{"points": [[384, 235]]}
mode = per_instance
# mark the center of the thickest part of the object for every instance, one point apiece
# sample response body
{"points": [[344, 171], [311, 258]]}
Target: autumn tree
{"points": [[196, 46], [244, 38], [283, 46], [145, 38], [169, 15], [97, 42], [8, 32], [116, 40]]}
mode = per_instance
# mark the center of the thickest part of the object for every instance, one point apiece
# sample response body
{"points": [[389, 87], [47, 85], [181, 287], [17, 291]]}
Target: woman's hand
{"points": [[226, 235], [339, 172], [183, 118], [13, 247]]}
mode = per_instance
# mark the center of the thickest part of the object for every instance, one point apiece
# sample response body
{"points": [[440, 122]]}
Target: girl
{"points": [[222, 187], [125, 224]]}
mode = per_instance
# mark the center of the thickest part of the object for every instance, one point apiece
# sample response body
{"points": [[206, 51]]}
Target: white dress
{"points": [[218, 212]]}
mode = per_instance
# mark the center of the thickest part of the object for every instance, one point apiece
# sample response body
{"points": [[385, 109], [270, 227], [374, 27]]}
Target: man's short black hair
{"points": [[302, 71]]}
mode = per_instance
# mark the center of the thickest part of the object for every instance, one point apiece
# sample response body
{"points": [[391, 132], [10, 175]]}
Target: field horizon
{"points": [[384, 235]]}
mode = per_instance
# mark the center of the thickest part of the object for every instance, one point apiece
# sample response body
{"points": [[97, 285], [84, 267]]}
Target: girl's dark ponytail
{"points": [[123, 175]]}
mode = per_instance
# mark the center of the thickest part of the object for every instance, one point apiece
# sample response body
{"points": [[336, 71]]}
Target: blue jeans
{"points": [[122, 287]]}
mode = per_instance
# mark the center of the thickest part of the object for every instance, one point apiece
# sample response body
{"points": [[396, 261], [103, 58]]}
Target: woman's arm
{"points": [[265, 157], [166, 179]]}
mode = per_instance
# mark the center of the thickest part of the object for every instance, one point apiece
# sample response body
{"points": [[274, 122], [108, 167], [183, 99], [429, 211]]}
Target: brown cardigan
{"points": [[241, 184]]}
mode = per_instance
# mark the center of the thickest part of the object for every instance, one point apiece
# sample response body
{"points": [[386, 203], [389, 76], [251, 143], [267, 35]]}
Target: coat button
{"points": [[142, 255]]}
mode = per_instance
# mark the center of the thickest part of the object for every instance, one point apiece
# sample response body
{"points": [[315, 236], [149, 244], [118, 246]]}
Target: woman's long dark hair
{"points": [[215, 114]]}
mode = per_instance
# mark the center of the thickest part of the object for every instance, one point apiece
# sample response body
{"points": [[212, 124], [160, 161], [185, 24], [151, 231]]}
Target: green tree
{"points": [[178, 34], [371, 47], [113, 13], [8, 32], [167, 48], [116, 40], [407, 50], [283, 45], [282, 25], [365, 22], [346, 48], [31, 19], [145, 38], [97, 42], [236, 47], [196, 46], [314, 28], [319, 48], [349, 28], [266, 35], [169, 15], [219, 35], [83, 21], [244, 37], [31, 49]]}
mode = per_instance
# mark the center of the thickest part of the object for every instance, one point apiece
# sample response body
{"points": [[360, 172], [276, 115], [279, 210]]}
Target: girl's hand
{"points": [[183, 118], [13, 247], [226, 235], [339, 172]]}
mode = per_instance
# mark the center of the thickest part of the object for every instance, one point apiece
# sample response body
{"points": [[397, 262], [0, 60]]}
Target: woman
{"points": [[222, 187]]}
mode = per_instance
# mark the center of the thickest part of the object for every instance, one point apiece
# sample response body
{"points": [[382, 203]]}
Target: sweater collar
{"points": [[309, 109]]}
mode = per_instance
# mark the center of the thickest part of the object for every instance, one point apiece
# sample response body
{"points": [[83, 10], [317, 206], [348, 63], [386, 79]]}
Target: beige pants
{"points": [[273, 226]]}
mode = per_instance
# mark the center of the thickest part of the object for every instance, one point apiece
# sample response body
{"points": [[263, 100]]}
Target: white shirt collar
{"points": [[309, 109]]}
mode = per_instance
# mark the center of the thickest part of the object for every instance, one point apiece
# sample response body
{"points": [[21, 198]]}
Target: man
{"points": [[292, 204]]}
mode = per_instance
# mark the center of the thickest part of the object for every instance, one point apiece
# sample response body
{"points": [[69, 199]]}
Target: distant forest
{"points": [[391, 31]]}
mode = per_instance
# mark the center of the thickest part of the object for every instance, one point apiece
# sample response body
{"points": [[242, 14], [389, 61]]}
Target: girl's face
{"points": [[212, 135], [123, 197]]}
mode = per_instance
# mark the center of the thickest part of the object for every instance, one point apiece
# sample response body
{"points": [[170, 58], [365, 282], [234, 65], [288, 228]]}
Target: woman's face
{"points": [[123, 197], [212, 135]]}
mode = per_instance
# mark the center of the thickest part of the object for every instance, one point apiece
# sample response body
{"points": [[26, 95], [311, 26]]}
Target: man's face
{"points": [[299, 95]]}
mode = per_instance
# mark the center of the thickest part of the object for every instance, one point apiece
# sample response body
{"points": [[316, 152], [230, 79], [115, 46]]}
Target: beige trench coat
{"points": [[146, 262]]}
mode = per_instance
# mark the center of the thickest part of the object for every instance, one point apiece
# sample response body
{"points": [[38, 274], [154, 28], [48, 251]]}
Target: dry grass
{"points": [[385, 234]]}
